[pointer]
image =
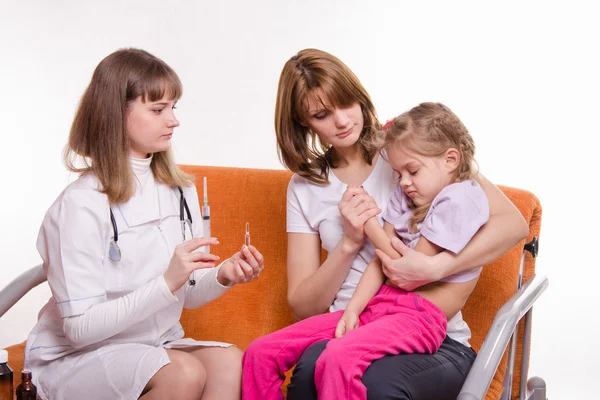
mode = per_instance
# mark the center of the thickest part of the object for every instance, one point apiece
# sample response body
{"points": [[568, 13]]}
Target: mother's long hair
{"points": [[300, 150]]}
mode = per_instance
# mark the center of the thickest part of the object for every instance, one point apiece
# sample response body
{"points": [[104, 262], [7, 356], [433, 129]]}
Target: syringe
{"points": [[206, 216]]}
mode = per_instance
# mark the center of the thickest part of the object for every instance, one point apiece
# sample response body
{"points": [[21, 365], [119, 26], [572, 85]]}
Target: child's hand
{"points": [[348, 322], [244, 266]]}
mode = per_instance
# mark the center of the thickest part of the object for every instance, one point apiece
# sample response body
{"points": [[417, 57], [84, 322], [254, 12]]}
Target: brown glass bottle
{"points": [[6, 377], [26, 389]]}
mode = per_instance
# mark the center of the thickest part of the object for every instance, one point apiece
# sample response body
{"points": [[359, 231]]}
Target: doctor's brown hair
{"points": [[99, 130], [300, 149]]}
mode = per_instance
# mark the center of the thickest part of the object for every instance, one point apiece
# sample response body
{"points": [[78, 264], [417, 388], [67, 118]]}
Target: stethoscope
{"points": [[114, 252]]}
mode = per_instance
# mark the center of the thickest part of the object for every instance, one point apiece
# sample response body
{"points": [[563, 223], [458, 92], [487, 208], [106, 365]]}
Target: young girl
{"points": [[119, 251], [436, 206]]}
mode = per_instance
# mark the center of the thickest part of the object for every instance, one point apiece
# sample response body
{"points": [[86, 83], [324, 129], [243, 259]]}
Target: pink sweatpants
{"points": [[393, 322]]}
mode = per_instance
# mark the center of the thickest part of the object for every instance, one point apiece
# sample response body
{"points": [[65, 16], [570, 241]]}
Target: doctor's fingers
{"points": [[200, 256], [196, 243], [258, 256], [250, 258], [247, 273], [192, 266]]}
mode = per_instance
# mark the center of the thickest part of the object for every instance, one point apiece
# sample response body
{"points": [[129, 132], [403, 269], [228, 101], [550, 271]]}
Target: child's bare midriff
{"points": [[449, 297]]}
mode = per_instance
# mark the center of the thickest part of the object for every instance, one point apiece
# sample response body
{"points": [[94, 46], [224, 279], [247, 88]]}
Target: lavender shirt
{"points": [[455, 215]]}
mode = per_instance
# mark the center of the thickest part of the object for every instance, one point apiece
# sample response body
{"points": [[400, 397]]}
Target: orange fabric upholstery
{"points": [[238, 195]]}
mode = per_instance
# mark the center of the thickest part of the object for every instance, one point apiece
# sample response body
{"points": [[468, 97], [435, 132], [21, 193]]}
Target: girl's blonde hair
{"points": [[99, 131], [299, 148], [430, 129]]}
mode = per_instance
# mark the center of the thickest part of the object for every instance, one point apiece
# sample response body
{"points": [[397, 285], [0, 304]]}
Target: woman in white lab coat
{"points": [[120, 262]]}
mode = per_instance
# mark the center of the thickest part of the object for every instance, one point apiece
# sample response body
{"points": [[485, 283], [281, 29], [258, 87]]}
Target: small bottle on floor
{"points": [[26, 389]]}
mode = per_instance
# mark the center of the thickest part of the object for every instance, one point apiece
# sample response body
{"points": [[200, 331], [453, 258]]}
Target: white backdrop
{"points": [[522, 76]]}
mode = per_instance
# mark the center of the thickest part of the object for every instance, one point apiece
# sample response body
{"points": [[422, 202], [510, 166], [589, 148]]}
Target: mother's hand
{"points": [[356, 208], [412, 270]]}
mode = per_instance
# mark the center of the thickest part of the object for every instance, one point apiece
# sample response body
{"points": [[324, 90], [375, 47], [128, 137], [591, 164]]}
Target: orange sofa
{"points": [[238, 195]]}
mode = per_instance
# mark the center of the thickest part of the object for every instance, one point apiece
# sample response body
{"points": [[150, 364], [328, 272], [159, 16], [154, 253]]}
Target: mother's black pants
{"points": [[402, 377]]}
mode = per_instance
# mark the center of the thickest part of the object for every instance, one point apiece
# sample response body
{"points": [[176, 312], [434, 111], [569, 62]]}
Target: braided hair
{"points": [[429, 129]]}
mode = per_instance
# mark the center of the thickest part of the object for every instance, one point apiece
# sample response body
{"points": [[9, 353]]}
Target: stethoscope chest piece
{"points": [[114, 252]]}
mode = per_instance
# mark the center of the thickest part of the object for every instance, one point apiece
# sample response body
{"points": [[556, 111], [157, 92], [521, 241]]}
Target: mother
{"points": [[323, 118]]}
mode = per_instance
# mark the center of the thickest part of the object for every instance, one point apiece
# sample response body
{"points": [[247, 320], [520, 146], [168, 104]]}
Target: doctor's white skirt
{"points": [[114, 371]]}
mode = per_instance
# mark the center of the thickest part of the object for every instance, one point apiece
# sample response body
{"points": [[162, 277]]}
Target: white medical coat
{"points": [[131, 315]]}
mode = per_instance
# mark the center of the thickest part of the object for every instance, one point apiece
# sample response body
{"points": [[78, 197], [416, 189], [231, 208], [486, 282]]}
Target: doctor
{"points": [[120, 248]]}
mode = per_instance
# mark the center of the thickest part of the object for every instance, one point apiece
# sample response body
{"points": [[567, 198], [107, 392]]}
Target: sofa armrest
{"points": [[495, 343], [20, 286]]}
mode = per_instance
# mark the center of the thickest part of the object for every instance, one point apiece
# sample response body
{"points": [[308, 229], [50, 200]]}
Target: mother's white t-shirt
{"points": [[313, 209]]}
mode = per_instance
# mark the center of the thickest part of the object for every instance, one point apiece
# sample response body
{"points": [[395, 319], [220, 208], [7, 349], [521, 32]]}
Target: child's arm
{"points": [[428, 248], [372, 278], [367, 288], [368, 285], [423, 245], [380, 237]]}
